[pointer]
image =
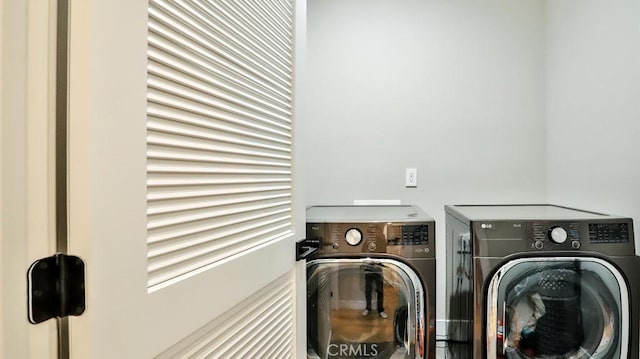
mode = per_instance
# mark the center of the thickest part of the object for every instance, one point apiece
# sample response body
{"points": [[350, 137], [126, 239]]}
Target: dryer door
{"points": [[557, 308], [364, 308]]}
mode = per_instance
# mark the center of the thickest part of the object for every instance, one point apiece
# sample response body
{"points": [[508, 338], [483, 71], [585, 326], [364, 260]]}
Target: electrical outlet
{"points": [[411, 177]]}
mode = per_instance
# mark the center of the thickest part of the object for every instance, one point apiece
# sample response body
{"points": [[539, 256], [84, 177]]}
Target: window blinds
{"points": [[219, 127]]}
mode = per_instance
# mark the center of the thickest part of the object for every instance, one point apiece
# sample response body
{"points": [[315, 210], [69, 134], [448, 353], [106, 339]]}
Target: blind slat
{"points": [[189, 220], [208, 121], [219, 129], [165, 48], [240, 33], [211, 87], [204, 99], [174, 28], [235, 11], [171, 135], [184, 105], [172, 269]]}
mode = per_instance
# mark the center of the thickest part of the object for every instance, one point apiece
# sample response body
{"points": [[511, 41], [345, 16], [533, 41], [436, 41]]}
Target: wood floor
{"points": [[349, 325]]}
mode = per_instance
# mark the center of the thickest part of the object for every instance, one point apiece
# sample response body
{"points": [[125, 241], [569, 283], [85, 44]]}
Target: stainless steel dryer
{"points": [[371, 285], [541, 281]]}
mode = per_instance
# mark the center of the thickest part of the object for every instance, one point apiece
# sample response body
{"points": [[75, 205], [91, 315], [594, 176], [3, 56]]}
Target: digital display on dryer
{"points": [[415, 234], [609, 233]]}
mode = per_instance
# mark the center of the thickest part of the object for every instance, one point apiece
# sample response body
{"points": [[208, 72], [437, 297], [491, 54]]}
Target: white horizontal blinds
{"points": [[259, 327], [219, 131]]}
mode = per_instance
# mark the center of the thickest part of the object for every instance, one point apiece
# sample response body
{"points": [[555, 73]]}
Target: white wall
{"points": [[454, 88], [593, 105]]}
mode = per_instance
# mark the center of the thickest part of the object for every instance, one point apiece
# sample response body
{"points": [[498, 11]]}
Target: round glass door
{"points": [[559, 308], [364, 308]]}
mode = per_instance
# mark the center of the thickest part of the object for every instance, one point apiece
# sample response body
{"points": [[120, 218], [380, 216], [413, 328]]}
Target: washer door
{"points": [[364, 308], [557, 308]]}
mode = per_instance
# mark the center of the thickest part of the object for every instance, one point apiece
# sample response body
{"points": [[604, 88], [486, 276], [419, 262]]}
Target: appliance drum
{"points": [[338, 325], [556, 308]]}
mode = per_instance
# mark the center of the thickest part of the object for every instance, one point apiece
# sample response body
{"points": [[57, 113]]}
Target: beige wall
{"points": [[452, 88], [494, 101], [593, 111]]}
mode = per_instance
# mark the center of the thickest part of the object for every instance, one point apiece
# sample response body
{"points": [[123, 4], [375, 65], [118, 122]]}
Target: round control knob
{"points": [[575, 245], [353, 236], [557, 234], [335, 245], [372, 246], [538, 245]]}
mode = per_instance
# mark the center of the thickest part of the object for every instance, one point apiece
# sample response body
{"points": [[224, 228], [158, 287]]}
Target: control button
{"points": [[557, 234], [372, 246], [538, 245], [575, 245], [353, 236], [335, 245]]}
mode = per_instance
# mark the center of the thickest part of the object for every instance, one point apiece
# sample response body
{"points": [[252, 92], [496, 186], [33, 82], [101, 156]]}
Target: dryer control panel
{"points": [[609, 232], [581, 235], [502, 238], [411, 240], [556, 233]]}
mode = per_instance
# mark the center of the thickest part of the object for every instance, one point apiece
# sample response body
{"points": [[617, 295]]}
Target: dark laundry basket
{"points": [[559, 330]]}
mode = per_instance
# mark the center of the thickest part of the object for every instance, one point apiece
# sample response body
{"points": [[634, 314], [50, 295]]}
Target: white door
{"points": [[27, 230], [180, 183]]}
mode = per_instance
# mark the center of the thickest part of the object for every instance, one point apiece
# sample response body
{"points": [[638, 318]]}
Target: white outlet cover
{"points": [[411, 177]]}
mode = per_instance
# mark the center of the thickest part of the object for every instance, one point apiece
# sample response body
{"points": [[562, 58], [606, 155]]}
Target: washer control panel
{"points": [[408, 234], [410, 240]]}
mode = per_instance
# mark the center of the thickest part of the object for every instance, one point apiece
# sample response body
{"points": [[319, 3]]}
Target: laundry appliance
{"points": [[541, 281], [371, 285]]}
